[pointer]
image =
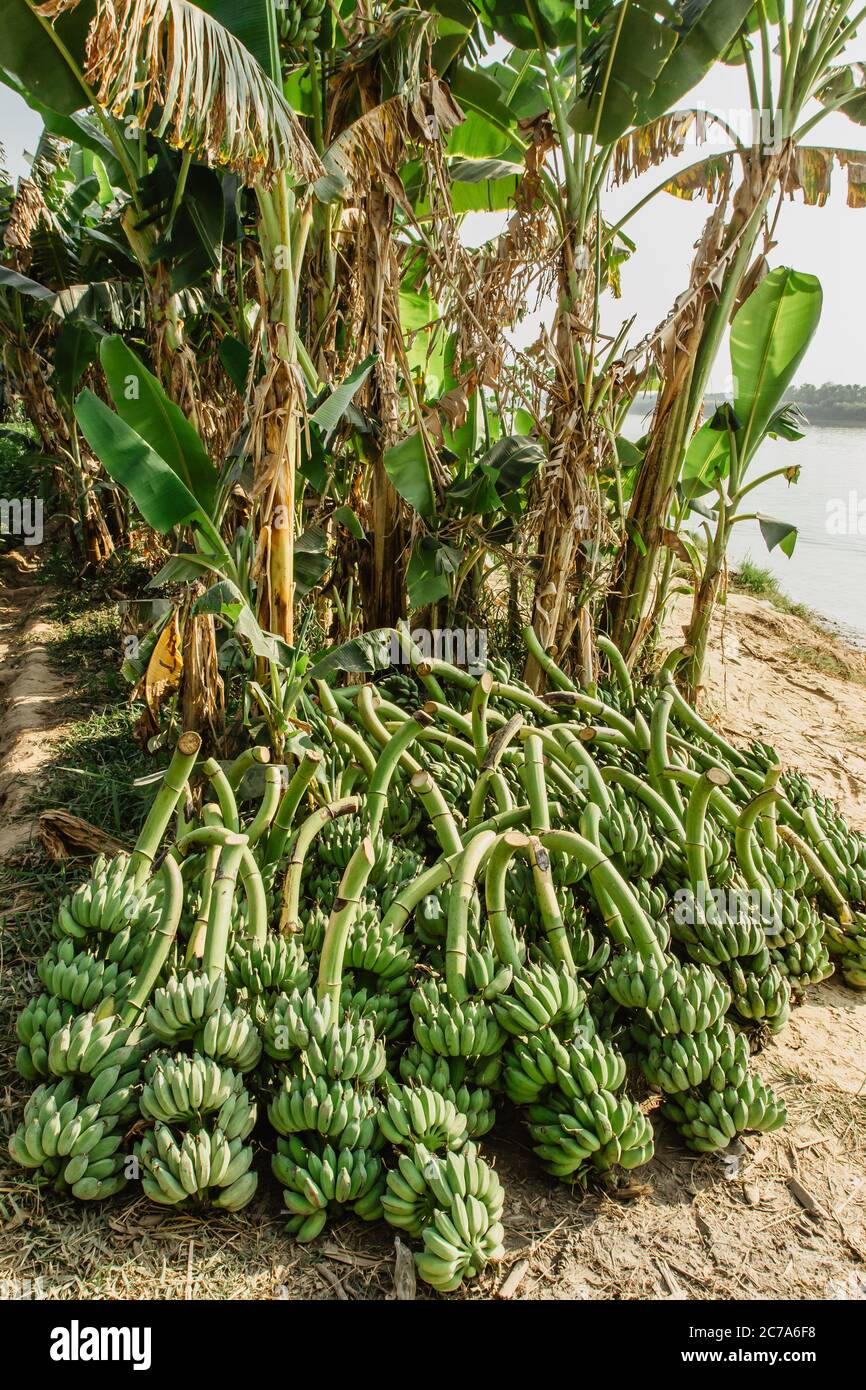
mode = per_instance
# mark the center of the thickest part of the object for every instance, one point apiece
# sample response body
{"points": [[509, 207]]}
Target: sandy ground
{"points": [[782, 1216]]}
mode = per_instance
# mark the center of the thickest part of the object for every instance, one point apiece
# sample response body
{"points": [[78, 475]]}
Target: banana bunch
{"points": [[402, 813], [72, 1139], [654, 900], [709, 1119], [454, 1203], [347, 1051], [805, 962], [581, 1065], [79, 978], [92, 1043], [203, 1164], [299, 21], [338, 840], [487, 977], [279, 964], [763, 997], [230, 1036], [847, 943], [335, 1109], [179, 1009], [293, 1021], [714, 937], [466, 1085], [540, 996], [37, 1023], [107, 902], [314, 921], [431, 918], [602, 1130], [696, 1002], [450, 1029], [320, 1180], [791, 919], [677, 1061], [589, 957], [183, 1088], [401, 689], [380, 952], [761, 756], [419, 1115], [456, 779], [625, 834], [638, 983], [388, 1013], [783, 868]]}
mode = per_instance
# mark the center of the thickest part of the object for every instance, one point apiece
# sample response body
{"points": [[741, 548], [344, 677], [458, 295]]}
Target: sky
{"points": [[827, 242]]}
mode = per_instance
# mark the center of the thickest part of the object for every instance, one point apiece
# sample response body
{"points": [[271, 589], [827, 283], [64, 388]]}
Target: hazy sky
{"points": [[828, 242]]}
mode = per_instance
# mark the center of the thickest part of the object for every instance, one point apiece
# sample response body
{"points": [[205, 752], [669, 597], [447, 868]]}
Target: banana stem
{"points": [[557, 677], [217, 940], [211, 817], [462, 890], [281, 828], [583, 765], [344, 733], [822, 844], [268, 807], [418, 661], [408, 898], [505, 847], [478, 715], [769, 825], [224, 794], [821, 876], [687, 777], [257, 902], [604, 875], [444, 825], [446, 715], [377, 792], [696, 818], [590, 827], [489, 780], [163, 936], [533, 780], [548, 904], [307, 833], [743, 838], [659, 757], [340, 923], [242, 764], [164, 804], [587, 704], [684, 712], [619, 669], [618, 776]]}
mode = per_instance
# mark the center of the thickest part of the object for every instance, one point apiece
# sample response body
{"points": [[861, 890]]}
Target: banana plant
{"points": [[769, 337], [789, 51]]}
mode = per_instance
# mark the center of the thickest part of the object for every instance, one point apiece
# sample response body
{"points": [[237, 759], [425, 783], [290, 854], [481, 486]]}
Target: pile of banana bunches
{"points": [[457, 897]]}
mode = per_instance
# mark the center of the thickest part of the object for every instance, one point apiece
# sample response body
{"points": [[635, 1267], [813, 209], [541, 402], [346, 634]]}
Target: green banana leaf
{"points": [[407, 467], [30, 53], [769, 337], [141, 401], [160, 495]]}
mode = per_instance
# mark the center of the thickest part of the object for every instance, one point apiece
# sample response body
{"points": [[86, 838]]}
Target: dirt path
{"points": [[782, 1216], [31, 695]]}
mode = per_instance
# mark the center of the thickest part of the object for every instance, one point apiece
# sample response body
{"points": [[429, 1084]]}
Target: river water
{"points": [[828, 506]]}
